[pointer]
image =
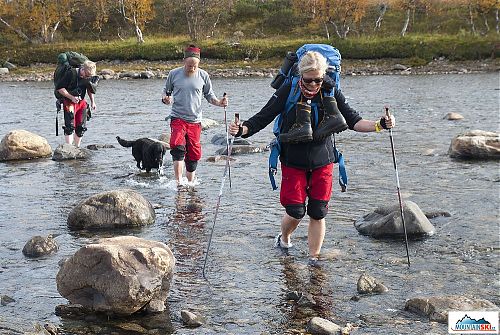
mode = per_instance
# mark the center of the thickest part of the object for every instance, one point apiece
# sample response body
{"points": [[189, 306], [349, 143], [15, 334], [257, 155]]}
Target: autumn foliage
{"points": [[46, 21]]}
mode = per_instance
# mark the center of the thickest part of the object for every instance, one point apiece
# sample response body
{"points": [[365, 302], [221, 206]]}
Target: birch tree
{"points": [[201, 16], [342, 14], [36, 19], [137, 12], [409, 7], [479, 10], [382, 8]]}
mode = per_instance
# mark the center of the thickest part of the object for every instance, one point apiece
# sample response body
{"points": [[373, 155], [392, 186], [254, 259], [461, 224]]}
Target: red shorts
{"points": [[78, 109], [297, 184], [186, 134]]}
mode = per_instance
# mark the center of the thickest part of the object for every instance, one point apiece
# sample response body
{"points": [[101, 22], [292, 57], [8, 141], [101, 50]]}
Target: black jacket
{"points": [[71, 81], [308, 155]]}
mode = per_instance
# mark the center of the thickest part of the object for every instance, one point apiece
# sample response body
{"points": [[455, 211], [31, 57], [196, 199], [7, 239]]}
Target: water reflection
{"points": [[307, 292]]}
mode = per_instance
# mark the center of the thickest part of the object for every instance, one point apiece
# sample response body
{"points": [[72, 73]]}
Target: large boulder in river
{"points": [[476, 144], [119, 275], [386, 222], [21, 144], [118, 208], [437, 307]]}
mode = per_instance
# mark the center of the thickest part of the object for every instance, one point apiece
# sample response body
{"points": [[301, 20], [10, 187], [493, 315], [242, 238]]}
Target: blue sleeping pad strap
{"points": [[273, 161], [339, 159]]}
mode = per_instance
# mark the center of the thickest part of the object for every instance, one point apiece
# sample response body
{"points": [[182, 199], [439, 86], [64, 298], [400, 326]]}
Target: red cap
{"points": [[192, 52]]}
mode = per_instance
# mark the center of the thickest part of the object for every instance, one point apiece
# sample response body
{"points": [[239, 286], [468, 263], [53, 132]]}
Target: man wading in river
{"points": [[187, 86], [75, 76]]}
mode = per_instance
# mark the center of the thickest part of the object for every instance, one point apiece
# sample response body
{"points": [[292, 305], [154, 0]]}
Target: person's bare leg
{"points": [[190, 175], [68, 139], [77, 140], [315, 236], [288, 226], [178, 170]]}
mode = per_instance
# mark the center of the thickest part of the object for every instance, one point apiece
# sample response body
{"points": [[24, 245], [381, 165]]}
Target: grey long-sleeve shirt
{"points": [[187, 93]]}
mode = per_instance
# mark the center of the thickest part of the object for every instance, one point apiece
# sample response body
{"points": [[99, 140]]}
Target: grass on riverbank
{"points": [[420, 48]]}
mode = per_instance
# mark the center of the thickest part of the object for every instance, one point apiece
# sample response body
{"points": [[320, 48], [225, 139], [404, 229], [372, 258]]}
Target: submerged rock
{"points": [[368, 284], [39, 246], [453, 116], [68, 152], [191, 319], [242, 149], [320, 326], [207, 123], [221, 139], [118, 208]]}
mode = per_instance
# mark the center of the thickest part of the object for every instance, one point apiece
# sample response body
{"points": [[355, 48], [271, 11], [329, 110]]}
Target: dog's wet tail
{"points": [[125, 143]]}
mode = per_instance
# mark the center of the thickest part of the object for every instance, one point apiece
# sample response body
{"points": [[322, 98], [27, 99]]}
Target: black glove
{"points": [[382, 123], [240, 131], [89, 114]]}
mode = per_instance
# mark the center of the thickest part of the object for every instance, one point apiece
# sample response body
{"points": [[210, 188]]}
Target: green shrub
{"points": [[419, 48]]}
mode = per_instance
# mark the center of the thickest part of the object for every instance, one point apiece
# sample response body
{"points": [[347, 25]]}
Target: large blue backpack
{"points": [[289, 74]]}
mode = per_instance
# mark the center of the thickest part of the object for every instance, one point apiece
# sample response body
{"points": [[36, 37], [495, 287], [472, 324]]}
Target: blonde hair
{"points": [[313, 61], [89, 67]]}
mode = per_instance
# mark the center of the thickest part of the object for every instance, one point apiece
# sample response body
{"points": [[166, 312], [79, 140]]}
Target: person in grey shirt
{"points": [[185, 87]]}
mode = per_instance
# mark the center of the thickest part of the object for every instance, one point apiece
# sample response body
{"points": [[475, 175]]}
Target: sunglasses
{"points": [[310, 80]]}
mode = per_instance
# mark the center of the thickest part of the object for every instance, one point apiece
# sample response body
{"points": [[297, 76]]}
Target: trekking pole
{"points": [[227, 141], [398, 187], [57, 123], [226, 169], [58, 108]]}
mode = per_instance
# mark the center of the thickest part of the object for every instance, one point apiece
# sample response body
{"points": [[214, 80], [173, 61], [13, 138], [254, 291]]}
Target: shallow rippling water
{"points": [[248, 279]]}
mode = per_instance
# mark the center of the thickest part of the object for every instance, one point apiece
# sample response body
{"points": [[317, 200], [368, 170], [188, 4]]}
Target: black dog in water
{"points": [[148, 151]]}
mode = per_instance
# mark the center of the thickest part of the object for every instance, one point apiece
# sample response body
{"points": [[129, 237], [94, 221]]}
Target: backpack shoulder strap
{"points": [[294, 94]]}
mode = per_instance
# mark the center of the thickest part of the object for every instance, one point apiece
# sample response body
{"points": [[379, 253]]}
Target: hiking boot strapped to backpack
{"points": [[301, 130], [333, 121]]}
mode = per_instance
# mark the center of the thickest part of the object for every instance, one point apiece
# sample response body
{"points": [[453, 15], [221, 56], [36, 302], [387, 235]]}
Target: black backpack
{"points": [[70, 61]]}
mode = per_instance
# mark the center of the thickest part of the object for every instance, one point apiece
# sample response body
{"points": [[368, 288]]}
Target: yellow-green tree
{"points": [[7, 17], [102, 9], [36, 19], [137, 12], [341, 14], [480, 9]]}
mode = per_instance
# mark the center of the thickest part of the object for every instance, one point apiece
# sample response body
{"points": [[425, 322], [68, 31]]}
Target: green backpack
{"points": [[74, 59]]}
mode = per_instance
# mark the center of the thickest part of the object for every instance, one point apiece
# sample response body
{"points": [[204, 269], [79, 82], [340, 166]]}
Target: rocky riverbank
{"points": [[141, 69]]}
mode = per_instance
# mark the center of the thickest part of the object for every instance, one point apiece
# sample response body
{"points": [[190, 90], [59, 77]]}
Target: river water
{"points": [[247, 278]]}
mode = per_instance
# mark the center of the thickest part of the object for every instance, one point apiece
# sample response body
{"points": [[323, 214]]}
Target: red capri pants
{"points": [[298, 184], [79, 108], [185, 136]]}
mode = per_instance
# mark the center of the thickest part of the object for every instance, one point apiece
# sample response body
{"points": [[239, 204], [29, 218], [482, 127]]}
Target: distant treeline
{"points": [[56, 21]]}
